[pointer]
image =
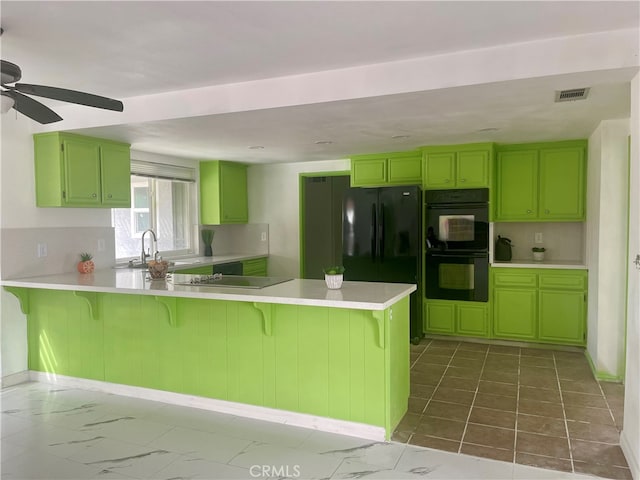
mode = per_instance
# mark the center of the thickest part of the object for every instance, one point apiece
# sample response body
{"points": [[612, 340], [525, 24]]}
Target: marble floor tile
{"points": [[52, 437]]}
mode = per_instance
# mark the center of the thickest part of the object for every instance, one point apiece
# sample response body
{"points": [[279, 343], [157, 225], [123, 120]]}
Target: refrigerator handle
{"points": [[381, 241], [374, 229]]}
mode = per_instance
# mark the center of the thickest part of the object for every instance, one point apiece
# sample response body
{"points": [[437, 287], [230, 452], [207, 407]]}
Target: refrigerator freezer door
{"points": [[359, 227]]}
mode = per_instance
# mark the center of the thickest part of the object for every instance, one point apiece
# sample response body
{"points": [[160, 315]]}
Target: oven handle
{"points": [[374, 230], [455, 205], [381, 242], [459, 255]]}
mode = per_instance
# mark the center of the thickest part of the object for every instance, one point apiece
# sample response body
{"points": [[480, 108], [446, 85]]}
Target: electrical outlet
{"points": [[263, 237], [538, 237], [101, 246], [42, 250]]}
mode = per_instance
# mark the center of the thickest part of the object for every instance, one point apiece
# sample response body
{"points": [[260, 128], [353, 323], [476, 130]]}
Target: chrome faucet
{"points": [[143, 256]]}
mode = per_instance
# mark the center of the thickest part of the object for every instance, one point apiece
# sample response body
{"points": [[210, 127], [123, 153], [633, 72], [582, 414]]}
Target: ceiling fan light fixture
{"points": [[7, 103]]}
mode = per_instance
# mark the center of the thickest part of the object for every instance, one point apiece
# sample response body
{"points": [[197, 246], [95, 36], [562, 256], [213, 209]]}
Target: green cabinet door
{"points": [[561, 198], [472, 169], [233, 197], [472, 320], [517, 185], [82, 172], [115, 170], [223, 193], [439, 318], [368, 172], [562, 316], [256, 267], [515, 313], [405, 170], [204, 270], [439, 170]]}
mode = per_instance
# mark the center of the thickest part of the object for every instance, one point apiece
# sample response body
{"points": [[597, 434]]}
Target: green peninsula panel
{"points": [[322, 361]]}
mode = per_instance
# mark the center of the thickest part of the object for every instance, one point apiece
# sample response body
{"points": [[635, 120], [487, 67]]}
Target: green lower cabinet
{"points": [[514, 313], [439, 317], [541, 305], [256, 267], [446, 317], [562, 315]]}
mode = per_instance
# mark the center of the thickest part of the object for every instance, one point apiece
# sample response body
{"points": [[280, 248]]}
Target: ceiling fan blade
{"points": [[33, 109], [71, 96]]}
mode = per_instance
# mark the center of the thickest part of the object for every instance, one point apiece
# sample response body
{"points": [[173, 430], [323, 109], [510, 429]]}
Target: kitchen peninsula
{"points": [[293, 352]]}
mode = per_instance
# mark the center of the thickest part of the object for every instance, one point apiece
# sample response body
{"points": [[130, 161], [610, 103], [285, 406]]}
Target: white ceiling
{"points": [[131, 49]]}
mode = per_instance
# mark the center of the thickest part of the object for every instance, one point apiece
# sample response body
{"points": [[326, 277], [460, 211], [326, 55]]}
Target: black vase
{"points": [[208, 252]]}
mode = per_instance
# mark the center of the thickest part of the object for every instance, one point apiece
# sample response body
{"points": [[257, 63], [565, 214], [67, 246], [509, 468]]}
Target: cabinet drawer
{"points": [[510, 279], [565, 282]]}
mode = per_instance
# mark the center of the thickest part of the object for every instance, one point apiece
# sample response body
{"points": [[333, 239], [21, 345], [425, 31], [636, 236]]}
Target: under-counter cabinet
{"points": [[448, 317], [457, 166], [540, 305], [223, 193], [256, 267], [399, 168], [77, 171], [541, 182]]}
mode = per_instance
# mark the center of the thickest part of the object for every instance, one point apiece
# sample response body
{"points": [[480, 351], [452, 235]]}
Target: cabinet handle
{"points": [[109, 196], [529, 211], [547, 211], [94, 195], [463, 179]]}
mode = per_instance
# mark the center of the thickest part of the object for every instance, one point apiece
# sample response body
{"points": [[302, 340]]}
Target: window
{"points": [[162, 199]]}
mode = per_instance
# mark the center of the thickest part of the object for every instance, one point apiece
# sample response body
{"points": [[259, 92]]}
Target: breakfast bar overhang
{"points": [[294, 352]]}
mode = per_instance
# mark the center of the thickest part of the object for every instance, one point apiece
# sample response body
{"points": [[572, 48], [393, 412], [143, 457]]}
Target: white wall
{"points": [[607, 216], [630, 437], [274, 198]]}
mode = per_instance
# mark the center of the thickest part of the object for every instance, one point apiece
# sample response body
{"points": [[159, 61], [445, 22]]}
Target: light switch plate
{"points": [[538, 237], [42, 250], [101, 246]]}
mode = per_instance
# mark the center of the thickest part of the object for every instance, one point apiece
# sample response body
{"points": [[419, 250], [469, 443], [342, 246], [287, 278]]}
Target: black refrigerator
{"points": [[381, 239]]}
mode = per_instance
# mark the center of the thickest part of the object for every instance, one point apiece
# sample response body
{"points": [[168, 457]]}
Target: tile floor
{"points": [[50, 432], [529, 406]]}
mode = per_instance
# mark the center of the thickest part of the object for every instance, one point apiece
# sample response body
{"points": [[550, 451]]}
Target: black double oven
{"points": [[457, 244]]}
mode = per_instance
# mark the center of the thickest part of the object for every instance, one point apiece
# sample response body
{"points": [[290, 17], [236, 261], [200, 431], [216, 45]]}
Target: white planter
{"points": [[538, 256], [333, 281]]}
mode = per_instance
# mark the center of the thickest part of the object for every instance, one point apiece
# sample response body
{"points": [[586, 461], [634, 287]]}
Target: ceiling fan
{"points": [[15, 96]]}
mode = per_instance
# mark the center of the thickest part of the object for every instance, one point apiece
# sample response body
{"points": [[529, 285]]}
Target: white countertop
{"points": [[355, 295], [528, 263]]}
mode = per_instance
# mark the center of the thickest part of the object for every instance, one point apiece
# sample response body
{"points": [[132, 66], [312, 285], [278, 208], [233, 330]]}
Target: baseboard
{"points": [[505, 343], [15, 379], [631, 455], [324, 424], [601, 376]]}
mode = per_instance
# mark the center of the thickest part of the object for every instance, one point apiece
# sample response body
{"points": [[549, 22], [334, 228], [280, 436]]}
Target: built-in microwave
{"points": [[457, 220]]}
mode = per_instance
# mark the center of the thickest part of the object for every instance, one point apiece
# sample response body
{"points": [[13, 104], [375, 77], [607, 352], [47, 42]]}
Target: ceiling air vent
{"points": [[573, 94]]}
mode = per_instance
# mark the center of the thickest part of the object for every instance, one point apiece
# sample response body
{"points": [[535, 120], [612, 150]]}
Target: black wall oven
{"points": [[457, 244]]}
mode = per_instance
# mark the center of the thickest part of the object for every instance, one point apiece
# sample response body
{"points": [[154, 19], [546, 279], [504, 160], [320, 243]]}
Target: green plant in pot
{"points": [[538, 253], [207, 239], [333, 276]]}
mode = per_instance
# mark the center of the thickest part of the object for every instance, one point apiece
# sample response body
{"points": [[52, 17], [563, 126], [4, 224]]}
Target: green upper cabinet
{"points": [[223, 193], [541, 182], [457, 166], [516, 185], [562, 180], [76, 171], [398, 168]]}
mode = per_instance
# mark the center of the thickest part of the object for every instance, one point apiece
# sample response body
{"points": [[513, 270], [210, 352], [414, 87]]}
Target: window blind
{"points": [[161, 170]]}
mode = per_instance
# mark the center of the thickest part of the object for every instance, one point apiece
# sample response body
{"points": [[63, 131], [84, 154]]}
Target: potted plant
{"points": [[538, 253], [207, 238], [86, 265], [333, 276]]}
